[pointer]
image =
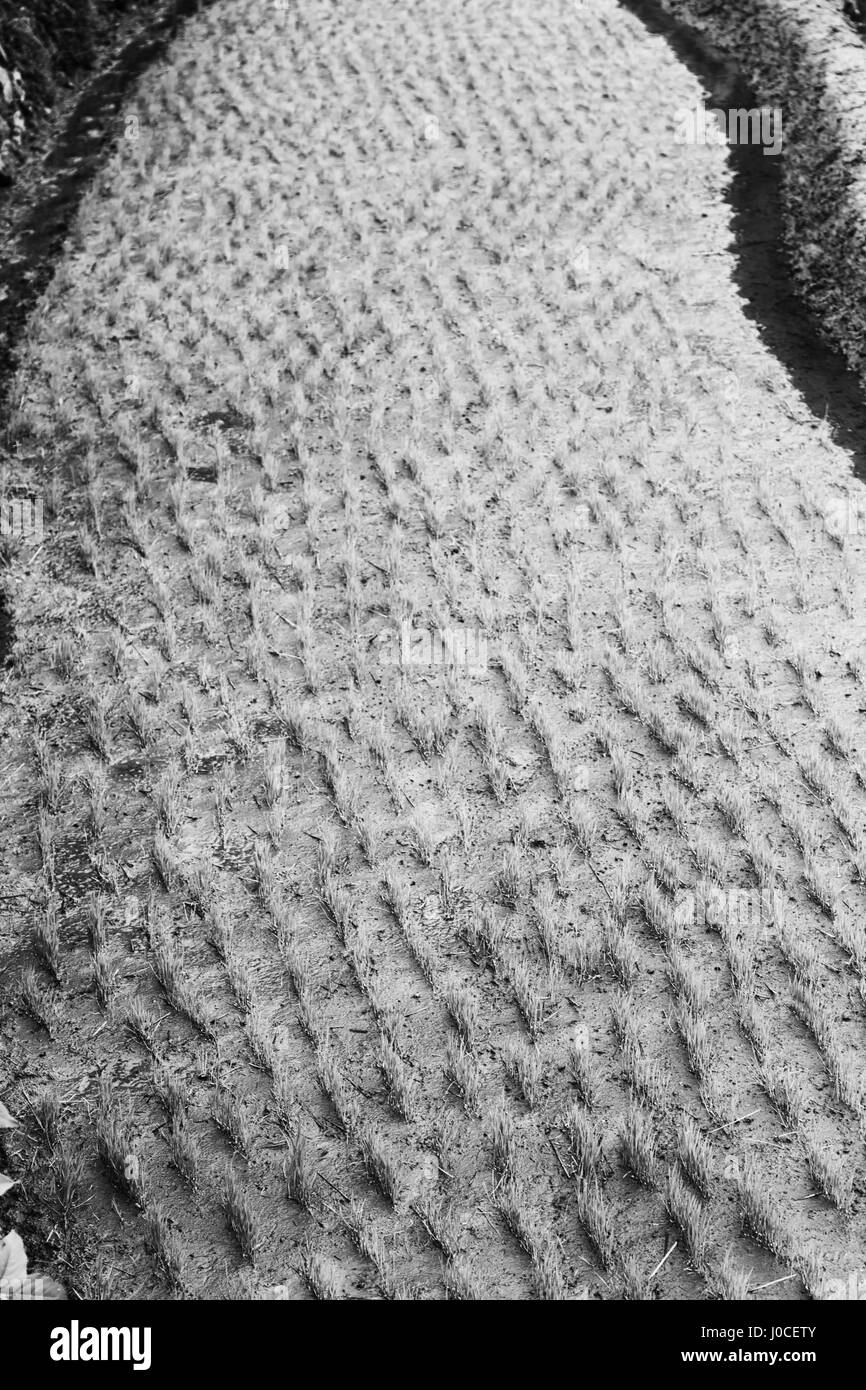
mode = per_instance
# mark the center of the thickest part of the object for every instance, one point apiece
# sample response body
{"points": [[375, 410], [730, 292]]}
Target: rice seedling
{"points": [[141, 1024], [463, 1069], [735, 807], [585, 826], [297, 723], [463, 1280], [47, 1108], [182, 992], [666, 920], [260, 1035], [141, 718], [334, 1084], [96, 709], [847, 1078], [763, 860], [400, 1081], [298, 1171], [166, 1247], [594, 1214], [463, 1008], [828, 1169], [640, 1144], [379, 1161], [240, 1216], [67, 1177], [585, 1143], [35, 1001], [46, 940], [485, 933], [509, 879], [64, 658], [821, 886], [185, 1151], [47, 836], [493, 748], [89, 546], [504, 1136], [688, 1215], [692, 1027], [818, 772], [620, 949], [523, 1063], [692, 698], [117, 1146], [535, 997], [686, 981], [50, 771], [760, 1210], [727, 1280], [696, 1155], [229, 1114], [785, 1087], [423, 838], [646, 1078], [512, 1202], [267, 886], [371, 1243], [320, 1274], [342, 786], [632, 814], [170, 799], [441, 1223]]}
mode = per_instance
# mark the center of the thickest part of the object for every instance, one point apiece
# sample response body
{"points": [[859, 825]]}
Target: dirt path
{"points": [[415, 314]]}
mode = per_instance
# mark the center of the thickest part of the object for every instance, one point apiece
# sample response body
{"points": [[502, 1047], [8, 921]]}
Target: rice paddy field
{"points": [[433, 792]]}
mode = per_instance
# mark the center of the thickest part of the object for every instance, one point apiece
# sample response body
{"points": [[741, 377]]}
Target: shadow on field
{"points": [[762, 271], [28, 263]]}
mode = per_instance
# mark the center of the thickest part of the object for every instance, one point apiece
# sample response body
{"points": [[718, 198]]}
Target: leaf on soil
{"points": [[6, 1120], [13, 1258], [6, 1183]]}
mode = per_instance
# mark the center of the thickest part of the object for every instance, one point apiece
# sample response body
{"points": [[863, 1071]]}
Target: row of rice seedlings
{"points": [[487, 723], [400, 1080], [786, 1088], [581, 957], [182, 992], [185, 1151], [672, 734], [619, 943], [640, 1143], [536, 996], [105, 977], [647, 1079], [764, 1221], [426, 720], [742, 964], [512, 1199], [37, 1001], [379, 1161], [667, 919], [368, 1236], [51, 775], [398, 899], [65, 1163], [47, 944], [811, 1007]]}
